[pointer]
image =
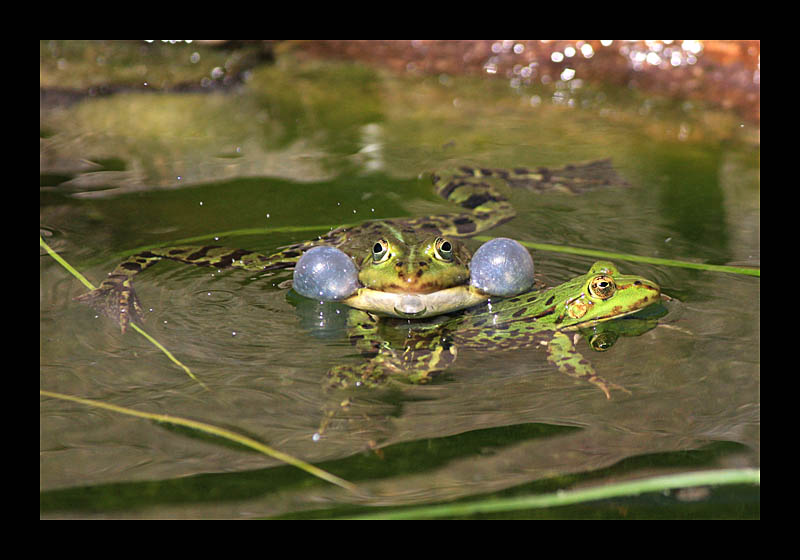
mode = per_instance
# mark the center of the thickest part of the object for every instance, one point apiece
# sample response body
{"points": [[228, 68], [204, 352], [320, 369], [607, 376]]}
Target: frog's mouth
{"points": [[416, 305]]}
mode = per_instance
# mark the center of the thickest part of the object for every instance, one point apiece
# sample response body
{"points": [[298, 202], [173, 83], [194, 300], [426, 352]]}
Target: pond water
{"points": [[301, 147]]}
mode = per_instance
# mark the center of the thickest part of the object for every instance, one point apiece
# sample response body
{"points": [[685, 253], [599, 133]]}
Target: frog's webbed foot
{"points": [[363, 375], [117, 299], [584, 371], [562, 354], [345, 377], [604, 385]]}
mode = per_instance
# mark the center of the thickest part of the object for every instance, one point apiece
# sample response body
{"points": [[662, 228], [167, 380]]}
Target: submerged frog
{"points": [[540, 317], [409, 267]]}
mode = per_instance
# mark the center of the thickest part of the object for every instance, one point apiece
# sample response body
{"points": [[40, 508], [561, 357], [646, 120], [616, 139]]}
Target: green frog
{"points": [[422, 258], [554, 318], [425, 258]]}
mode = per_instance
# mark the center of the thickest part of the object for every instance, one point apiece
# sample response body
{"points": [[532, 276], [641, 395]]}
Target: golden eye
{"points": [[602, 286], [380, 251], [443, 249]]}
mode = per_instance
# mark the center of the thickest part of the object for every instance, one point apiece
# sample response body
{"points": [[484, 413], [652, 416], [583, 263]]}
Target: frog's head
{"points": [[601, 295], [407, 276], [391, 270], [415, 266]]}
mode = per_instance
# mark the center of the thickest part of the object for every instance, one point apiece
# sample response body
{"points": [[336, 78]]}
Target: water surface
{"points": [[320, 145]]}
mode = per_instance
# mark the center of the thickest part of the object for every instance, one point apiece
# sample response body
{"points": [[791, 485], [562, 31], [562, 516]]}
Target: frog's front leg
{"points": [[561, 353]]}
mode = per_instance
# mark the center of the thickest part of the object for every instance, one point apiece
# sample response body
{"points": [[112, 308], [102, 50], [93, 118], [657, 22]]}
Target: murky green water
{"points": [[324, 144]]}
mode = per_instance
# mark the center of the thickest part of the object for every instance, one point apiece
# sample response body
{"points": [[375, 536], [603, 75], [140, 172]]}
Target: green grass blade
{"points": [[570, 497], [636, 258], [65, 264], [138, 329], [213, 430], [168, 354], [483, 238]]}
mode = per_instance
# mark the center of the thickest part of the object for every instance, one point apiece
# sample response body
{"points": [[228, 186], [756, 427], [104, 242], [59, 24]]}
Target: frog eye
{"points": [[444, 249], [380, 251], [602, 287]]}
